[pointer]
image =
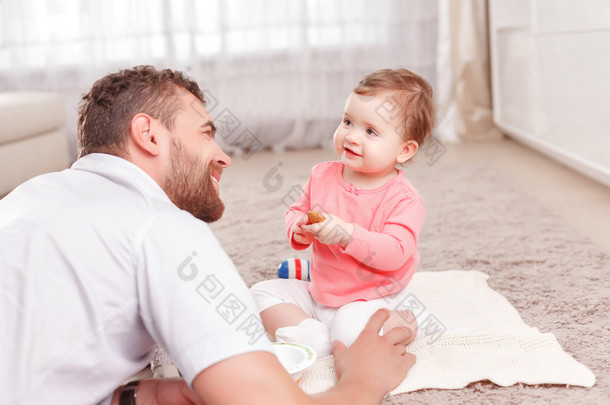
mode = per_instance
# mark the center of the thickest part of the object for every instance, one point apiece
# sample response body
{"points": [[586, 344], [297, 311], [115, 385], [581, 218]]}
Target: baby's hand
{"points": [[300, 234], [332, 230]]}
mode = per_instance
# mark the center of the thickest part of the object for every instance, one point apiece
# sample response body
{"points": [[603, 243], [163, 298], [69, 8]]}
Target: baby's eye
{"points": [[371, 131], [347, 122]]}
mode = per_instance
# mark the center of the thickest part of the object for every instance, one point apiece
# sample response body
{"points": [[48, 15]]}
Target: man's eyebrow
{"points": [[209, 124]]}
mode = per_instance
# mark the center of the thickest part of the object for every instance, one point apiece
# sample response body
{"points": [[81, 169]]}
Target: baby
{"points": [[365, 250]]}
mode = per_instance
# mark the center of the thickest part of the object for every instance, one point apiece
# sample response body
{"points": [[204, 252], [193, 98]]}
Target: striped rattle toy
{"points": [[294, 268]]}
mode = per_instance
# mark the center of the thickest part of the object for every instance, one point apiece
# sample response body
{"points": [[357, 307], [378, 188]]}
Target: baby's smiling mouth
{"points": [[350, 151]]}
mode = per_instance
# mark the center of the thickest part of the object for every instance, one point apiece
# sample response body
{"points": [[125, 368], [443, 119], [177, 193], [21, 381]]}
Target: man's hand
{"points": [[372, 367], [165, 391], [332, 230], [379, 362]]}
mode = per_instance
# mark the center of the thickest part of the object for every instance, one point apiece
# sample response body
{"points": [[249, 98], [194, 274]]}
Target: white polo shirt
{"points": [[96, 265]]}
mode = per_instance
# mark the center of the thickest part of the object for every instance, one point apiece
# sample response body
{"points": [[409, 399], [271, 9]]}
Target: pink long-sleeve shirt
{"points": [[381, 256]]}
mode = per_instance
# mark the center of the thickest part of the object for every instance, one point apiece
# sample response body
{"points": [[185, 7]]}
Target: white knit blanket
{"points": [[479, 336]]}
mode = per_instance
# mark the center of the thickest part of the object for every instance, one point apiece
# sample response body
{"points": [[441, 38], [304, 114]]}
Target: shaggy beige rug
{"points": [[476, 220]]}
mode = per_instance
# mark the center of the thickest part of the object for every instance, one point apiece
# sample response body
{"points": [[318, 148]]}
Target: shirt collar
{"points": [[123, 170]]}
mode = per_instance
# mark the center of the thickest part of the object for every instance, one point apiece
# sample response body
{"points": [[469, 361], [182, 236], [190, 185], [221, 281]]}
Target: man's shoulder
{"points": [[168, 222]]}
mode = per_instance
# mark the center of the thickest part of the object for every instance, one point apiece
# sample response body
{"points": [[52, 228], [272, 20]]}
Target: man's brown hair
{"points": [[106, 111], [411, 97]]}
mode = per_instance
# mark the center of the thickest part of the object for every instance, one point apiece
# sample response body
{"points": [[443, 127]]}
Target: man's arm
{"points": [[162, 391], [366, 372]]}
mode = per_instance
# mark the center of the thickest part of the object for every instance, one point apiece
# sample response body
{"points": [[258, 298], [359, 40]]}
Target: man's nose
{"points": [[223, 159]]}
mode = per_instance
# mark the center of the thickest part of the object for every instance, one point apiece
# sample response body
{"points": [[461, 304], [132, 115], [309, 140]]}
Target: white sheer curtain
{"points": [[277, 72]]}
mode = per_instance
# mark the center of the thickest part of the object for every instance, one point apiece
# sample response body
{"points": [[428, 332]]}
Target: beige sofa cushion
{"points": [[28, 113], [20, 161]]}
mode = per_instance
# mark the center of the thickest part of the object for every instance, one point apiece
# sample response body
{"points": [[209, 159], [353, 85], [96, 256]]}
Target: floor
{"points": [[583, 202]]}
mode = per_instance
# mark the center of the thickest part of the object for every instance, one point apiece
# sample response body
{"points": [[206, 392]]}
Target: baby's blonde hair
{"points": [[412, 96]]}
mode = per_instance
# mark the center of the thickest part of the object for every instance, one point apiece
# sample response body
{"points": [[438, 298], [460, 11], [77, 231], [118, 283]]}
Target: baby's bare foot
{"points": [[404, 318]]}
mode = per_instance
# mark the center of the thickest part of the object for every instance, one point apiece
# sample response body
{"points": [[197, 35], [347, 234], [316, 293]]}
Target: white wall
{"points": [[551, 78]]}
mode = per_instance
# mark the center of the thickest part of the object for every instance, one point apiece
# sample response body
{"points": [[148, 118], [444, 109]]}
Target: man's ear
{"points": [[142, 133], [408, 150]]}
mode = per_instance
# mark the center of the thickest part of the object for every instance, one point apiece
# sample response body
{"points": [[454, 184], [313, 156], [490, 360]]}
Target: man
{"points": [[102, 261]]}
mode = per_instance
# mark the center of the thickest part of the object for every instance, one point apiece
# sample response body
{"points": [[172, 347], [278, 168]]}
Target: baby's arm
{"points": [[395, 243], [295, 219], [386, 250], [383, 251]]}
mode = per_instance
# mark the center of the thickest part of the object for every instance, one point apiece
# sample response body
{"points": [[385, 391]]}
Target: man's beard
{"points": [[190, 187]]}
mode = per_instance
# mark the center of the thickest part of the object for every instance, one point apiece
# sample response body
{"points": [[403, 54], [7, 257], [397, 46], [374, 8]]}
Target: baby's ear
{"points": [[408, 150]]}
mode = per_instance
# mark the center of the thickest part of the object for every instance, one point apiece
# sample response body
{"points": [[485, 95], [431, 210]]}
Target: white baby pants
{"points": [[325, 323]]}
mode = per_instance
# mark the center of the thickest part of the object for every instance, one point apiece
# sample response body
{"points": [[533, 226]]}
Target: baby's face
{"points": [[367, 140]]}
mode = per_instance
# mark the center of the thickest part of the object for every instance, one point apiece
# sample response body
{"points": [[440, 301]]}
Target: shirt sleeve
{"points": [[296, 212], [192, 300], [390, 248]]}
